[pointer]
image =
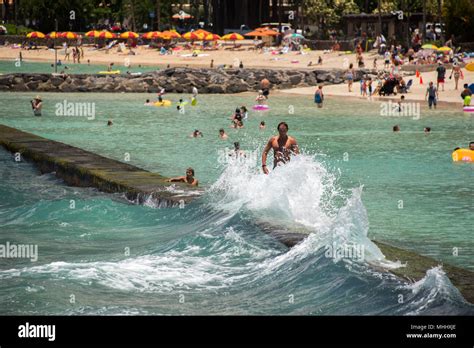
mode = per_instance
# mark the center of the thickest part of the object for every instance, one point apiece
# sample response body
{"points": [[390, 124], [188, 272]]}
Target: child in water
{"points": [[260, 98]]}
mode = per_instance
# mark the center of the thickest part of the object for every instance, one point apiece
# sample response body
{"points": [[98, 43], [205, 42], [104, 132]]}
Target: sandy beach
{"points": [[148, 56], [417, 91], [251, 59]]}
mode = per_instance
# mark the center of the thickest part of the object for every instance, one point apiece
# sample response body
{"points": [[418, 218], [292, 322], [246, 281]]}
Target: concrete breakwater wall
{"points": [[78, 167], [175, 80]]}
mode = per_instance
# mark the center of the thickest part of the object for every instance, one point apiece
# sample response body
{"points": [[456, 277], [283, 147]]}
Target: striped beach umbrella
{"points": [[129, 35], [203, 32], [106, 35], [92, 33], [68, 35], [53, 35], [212, 37], [152, 35], [192, 36], [232, 37], [170, 34], [35, 35]]}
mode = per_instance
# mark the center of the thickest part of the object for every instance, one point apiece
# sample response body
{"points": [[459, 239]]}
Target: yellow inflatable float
{"points": [[113, 72], [463, 155], [163, 103]]}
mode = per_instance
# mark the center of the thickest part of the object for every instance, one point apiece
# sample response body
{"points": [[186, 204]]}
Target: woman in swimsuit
{"points": [[457, 73], [350, 76]]}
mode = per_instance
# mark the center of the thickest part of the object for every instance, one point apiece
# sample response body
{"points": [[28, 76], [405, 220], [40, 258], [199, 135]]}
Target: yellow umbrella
{"points": [[232, 37], [35, 35], [171, 34], [212, 37], [68, 35], [129, 35], [192, 36], [92, 33], [152, 35], [444, 49], [202, 31], [53, 35], [106, 35]]}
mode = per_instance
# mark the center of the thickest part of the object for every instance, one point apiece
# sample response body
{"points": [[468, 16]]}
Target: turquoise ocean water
{"points": [[28, 66], [356, 181]]}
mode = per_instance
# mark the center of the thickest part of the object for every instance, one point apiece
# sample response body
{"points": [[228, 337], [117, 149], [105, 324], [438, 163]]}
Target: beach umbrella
{"points": [[232, 37], [106, 35], [182, 15], [192, 36], [92, 33], [429, 47], [212, 37], [129, 35], [170, 34], [35, 35], [68, 35], [203, 32], [263, 32], [294, 36], [53, 35], [152, 35], [444, 49]]}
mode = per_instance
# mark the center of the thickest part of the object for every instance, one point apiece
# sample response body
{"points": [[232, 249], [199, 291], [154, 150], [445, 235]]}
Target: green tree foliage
{"points": [[459, 19], [328, 12]]}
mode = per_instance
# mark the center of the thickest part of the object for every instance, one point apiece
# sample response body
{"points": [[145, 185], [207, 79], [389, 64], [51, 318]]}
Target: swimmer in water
{"points": [[260, 98], [188, 179], [197, 133], [396, 128], [244, 112], [222, 134], [283, 147], [148, 103], [180, 105], [160, 94], [262, 125], [109, 123]]}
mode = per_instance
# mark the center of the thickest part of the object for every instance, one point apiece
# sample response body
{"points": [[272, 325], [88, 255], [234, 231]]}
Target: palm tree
{"points": [[380, 16], [158, 13], [424, 20]]}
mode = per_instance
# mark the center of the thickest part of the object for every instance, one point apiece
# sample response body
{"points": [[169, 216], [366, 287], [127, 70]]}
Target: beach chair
{"points": [[407, 87]]}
